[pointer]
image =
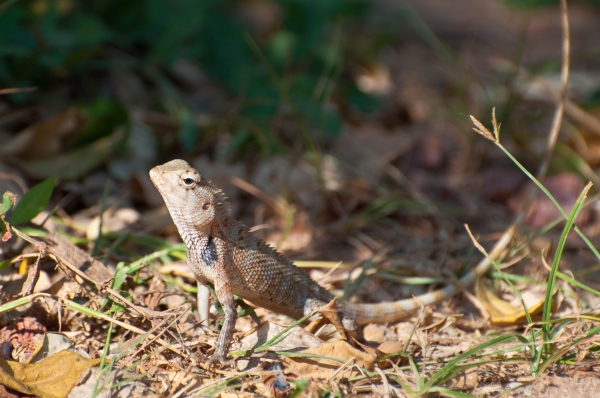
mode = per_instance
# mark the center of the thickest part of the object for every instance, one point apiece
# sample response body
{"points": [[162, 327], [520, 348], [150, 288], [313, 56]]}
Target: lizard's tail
{"points": [[396, 310]]}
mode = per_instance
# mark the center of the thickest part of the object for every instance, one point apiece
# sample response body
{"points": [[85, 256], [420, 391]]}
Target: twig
{"points": [[33, 275], [14, 90], [68, 262]]}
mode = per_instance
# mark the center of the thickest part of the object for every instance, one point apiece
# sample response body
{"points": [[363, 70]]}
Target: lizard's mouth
{"points": [[159, 180], [156, 176]]}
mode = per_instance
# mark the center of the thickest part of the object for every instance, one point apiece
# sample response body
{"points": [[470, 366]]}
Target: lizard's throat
{"points": [[191, 227]]}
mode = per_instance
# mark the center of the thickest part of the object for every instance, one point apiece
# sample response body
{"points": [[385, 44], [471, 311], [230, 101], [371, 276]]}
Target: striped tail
{"points": [[396, 310]]}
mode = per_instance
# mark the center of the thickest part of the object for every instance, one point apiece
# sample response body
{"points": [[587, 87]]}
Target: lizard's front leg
{"points": [[225, 297], [202, 300]]}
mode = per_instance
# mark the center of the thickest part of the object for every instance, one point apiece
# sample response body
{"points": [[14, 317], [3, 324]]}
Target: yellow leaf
{"points": [[502, 312], [23, 267], [52, 377]]}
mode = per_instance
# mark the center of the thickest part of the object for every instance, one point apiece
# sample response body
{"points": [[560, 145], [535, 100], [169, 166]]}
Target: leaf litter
{"points": [[360, 204]]}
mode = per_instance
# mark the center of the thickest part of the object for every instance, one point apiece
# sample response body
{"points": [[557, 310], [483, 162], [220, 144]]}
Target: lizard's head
{"points": [[191, 199]]}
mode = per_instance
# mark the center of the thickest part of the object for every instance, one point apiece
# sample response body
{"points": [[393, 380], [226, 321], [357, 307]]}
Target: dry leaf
{"points": [[320, 368], [53, 343], [86, 158], [86, 387], [464, 381], [45, 138], [374, 332], [330, 312], [391, 347], [502, 312], [112, 221], [53, 377]]}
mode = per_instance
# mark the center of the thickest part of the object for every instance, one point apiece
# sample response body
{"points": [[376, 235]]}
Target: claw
{"points": [[214, 360], [218, 359]]}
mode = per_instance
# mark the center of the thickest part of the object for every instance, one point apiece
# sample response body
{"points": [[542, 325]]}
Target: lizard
{"points": [[227, 254]]}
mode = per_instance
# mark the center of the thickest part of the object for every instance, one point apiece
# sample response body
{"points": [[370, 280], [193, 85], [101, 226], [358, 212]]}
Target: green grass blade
{"points": [[415, 371], [11, 305], [559, 249], [441, 374], [451, 393], [103, 358]]}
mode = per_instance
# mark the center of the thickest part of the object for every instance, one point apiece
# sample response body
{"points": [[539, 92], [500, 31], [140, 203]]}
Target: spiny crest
{"points": [[244, 235], [220, 199]]}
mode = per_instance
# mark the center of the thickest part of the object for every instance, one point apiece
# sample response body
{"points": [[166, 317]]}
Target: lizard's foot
{"points": [[343, 324], [218, 359]]}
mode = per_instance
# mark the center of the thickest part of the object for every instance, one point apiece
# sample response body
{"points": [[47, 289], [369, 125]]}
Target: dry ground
{"points": [[388, 199]]}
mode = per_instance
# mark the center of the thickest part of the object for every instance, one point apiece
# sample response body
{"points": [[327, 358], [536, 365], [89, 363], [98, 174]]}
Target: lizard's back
{"points": [[265, 278]]}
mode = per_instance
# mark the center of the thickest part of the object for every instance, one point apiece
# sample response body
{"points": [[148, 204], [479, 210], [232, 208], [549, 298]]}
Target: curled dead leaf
{"points": [[53, 377], [502, 312]]}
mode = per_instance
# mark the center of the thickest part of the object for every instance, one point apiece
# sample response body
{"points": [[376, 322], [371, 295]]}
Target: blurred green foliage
{"points": [[291, 71], [33, 202], [542, 3]]}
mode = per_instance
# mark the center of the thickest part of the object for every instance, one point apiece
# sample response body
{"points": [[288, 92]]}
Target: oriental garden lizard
{"points": [[225, 253]]}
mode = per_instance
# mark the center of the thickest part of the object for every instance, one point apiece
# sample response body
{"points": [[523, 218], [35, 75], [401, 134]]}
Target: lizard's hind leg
{"points": [[345, 325]]}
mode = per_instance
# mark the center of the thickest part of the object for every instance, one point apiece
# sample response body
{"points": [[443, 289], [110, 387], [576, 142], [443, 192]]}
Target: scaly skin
{"points": [[224, 252]]}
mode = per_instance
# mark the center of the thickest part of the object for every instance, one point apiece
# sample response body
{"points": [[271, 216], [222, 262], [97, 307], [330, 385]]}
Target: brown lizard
{"points": [[224, 252]]}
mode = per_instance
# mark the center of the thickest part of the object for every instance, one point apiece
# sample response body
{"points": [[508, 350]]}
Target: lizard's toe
{"points": [[218, 360]]}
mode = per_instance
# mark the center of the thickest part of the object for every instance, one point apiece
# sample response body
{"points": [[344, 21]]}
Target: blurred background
{"points": [[336, 126], [340, 131]]}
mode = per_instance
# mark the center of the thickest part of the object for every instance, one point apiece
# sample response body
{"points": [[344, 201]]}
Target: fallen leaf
{"points": [[275, 380], [53, 377], [88, 384], [466, 380], [321, 368], [76, 163], [391, 347], [374, 332], [53, 343], [112, 221], [44, 138], [502, 312]]}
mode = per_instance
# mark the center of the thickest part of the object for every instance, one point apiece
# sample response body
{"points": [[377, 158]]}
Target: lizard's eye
{"points": [[188, 181]]}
